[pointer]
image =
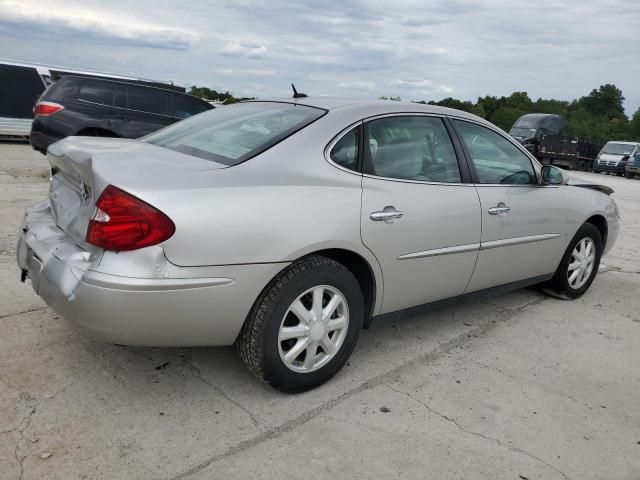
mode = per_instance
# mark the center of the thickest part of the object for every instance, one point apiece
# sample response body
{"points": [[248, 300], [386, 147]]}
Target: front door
{"points": [[418, 218], [523, 222]]}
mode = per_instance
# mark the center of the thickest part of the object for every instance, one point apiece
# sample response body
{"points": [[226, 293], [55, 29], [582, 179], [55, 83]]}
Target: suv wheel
{"points": [[304, 326], [580, 263]]}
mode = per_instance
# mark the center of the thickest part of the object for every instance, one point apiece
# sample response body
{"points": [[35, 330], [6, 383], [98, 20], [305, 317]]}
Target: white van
{"points": [[614, 157]]}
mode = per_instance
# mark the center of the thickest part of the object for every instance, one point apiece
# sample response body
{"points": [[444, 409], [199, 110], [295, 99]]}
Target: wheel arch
{"points": [[600, 223], [362, 270], [95, 132]]}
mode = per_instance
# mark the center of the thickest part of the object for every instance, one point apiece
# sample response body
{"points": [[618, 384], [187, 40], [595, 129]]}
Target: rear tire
{"points": [[579, 265], [628, 175], [304, 325]]}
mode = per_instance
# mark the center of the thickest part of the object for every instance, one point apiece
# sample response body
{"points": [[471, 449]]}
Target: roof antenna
{"points": [[296, 94]]}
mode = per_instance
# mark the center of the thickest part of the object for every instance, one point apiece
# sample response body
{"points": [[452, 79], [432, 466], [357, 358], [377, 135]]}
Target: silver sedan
{"points": [[287, 226]]}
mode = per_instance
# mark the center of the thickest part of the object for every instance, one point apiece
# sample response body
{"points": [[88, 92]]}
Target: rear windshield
{"points": [[230, 135]]}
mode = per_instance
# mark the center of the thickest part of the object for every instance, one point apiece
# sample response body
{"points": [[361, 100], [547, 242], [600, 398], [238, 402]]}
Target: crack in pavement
{"points": [[20, 313], [504, 314], [478, 434], [621, 270], [198, 373], [25, 422]]}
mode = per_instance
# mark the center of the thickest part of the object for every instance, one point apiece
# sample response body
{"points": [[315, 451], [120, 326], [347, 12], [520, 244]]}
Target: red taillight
{"points": [[124, 222], [44, 109]]}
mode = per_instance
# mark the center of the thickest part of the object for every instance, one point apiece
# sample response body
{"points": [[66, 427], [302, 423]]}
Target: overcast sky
{"points": [[418, 49]]}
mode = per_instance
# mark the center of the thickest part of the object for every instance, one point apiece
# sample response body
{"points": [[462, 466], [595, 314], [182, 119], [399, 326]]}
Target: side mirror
{"points": [[554, 176]]}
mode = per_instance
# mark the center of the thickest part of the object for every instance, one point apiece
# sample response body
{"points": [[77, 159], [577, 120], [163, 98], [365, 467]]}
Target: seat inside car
{"points": [[400, 158]]}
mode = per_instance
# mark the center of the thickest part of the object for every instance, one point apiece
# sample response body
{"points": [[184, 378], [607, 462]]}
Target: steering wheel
{"points": [[518, 178]]}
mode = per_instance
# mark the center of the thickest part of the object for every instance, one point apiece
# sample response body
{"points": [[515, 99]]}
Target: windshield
{"points": [[618, 148], [230, 135], [522, 132]]}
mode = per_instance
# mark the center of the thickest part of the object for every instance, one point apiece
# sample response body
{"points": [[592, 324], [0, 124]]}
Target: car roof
{"points": [[623, 143], [67, 78], [367, 107]]}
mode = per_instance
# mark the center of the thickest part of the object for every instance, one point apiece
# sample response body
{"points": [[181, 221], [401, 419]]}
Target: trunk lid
{"points": [[82, 167]]}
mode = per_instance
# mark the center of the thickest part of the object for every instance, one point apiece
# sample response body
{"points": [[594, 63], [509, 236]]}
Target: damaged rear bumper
{"points": [[193, 306]]}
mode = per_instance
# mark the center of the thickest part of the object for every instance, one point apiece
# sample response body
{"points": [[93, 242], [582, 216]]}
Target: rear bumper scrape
{"points": [[195, 306], [46, 256]]}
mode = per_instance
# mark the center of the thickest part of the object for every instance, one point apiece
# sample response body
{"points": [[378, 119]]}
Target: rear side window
{"points": [[233, 134], [186, 106], [95, 92], [149, 100], [411, 148], [60, 90], [345, 151]]}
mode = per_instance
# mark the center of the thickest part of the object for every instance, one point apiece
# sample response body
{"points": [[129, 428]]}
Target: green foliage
{"points": [[208, 94], [505, 117], [599, 115], [634, 126], [391, 97]]}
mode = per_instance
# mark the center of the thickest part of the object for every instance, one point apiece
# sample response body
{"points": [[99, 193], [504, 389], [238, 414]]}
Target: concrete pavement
{"points": [[519, 386]]}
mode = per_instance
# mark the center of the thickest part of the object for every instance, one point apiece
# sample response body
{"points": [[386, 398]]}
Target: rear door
{"points": [[420, 214], [92, 101], [140, 110], [523, 222]]}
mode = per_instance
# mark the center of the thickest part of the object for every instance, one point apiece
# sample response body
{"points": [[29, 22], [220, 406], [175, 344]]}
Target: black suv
{"points": [[105, 108]]}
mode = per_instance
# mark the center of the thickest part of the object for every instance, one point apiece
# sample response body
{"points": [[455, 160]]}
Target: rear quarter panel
{"points": [[279, 206]]}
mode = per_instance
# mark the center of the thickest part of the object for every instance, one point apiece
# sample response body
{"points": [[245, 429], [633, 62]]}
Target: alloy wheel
{"points": [[313, 329], [581, 264]]}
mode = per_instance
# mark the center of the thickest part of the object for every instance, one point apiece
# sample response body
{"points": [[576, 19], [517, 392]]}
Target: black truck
{"points": [[529, 129], [545, 137]]}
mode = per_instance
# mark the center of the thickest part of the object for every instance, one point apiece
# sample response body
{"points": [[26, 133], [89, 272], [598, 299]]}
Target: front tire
{"points": [[579, 265], [628, 175], [304, 326]]}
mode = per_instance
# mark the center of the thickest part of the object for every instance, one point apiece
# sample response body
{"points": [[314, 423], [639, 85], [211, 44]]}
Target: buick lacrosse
{"points": [[287, 226]]}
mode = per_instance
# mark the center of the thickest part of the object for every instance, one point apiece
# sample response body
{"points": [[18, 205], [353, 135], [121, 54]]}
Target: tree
{"points": [[208, 94], [519, 100], [490, 104], [505, 117], [605, 101], [599, 115], [634, 126], [465, 106]]}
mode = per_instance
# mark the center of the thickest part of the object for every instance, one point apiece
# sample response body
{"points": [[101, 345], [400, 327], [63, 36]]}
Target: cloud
{"points": [[418, 49], [236, 49], [423, 86], [357, 85], [35, 20], [244, 71]]}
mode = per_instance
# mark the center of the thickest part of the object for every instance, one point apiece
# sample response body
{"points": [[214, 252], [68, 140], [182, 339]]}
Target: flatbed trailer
{"points": [[569, 152]]}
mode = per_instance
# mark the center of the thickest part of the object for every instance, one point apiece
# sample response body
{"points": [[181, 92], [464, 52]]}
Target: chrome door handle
{"points": [[387, 215], [500, 209]]}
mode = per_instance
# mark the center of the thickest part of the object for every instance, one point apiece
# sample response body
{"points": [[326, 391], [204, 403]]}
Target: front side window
{"points": [[230, 135], [496, 160], [345, 151], [412, 148]]}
